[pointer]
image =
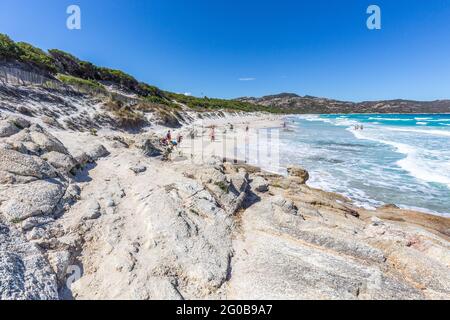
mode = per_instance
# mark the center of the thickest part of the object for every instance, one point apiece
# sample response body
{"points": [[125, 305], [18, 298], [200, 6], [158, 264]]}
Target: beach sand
{"points": [[197, 228], [252, 140]]}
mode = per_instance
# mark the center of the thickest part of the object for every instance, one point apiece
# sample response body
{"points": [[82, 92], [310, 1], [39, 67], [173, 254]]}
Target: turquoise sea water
{"points": [[400, 159]]}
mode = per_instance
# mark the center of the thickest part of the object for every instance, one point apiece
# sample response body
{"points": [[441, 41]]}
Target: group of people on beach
{"points": [[167, 140], [212, 132], [358, 127]]}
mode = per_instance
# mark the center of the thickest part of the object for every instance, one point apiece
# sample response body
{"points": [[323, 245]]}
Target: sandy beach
{"points": [[132, 225], [243, 139]]}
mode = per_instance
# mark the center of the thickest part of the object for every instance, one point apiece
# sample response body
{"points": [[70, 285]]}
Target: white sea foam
{"points": [[415, 162], [371, 174], [390, 119], [424, 170], [444, 133], [313, 117], [324, 181], [438, 120], [345, 122]]}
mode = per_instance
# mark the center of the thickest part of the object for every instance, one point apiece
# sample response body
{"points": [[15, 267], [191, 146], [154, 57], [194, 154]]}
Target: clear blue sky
{"points": [[204, 47]]}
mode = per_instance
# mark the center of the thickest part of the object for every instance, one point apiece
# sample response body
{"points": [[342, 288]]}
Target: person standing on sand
{"points": [[169, 136], [179, 138], [213, 134]]}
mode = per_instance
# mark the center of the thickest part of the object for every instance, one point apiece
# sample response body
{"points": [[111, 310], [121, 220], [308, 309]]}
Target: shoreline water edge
{"points": [[327, 155]]}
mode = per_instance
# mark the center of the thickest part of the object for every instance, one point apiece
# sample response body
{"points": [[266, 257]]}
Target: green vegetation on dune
{"points": [[26, 53], [125, 115], [8, 48], [85, 75], [36, 57], [211, 104], [158, 101], [69, 64], [89, 85], [116, 76], [60, 62], [151, 91]]}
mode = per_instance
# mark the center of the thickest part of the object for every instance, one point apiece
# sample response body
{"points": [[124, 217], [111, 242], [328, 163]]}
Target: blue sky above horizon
{"points": [[236, 48]]}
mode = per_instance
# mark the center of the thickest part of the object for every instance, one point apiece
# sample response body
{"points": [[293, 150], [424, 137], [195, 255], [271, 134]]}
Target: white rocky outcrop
{"points": [[36, 186], [138, 227]]}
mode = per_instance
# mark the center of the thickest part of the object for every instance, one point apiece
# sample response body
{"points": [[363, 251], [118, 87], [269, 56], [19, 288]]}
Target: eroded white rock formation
{"points": [[138, 227]]}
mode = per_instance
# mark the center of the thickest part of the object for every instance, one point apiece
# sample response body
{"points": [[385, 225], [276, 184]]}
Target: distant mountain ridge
{"points": [[293, 103]]}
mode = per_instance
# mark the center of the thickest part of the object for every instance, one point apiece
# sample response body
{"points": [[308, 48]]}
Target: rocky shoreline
{"points": [[94, 205], [105, 216]]}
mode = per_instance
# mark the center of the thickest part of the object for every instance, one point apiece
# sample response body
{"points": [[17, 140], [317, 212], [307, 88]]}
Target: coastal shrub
{"points": [[208, 104], [148, 90], [26, 53], [16, 221], [161, 102], [167, 153], [222, 185], [71, 65], [129, 118], [89, 71], [89, 86], [126, 116], [168, 118], [117, 77], [36, 57], [67, 63], [62, 55], [8, 48], [156, 100]]}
